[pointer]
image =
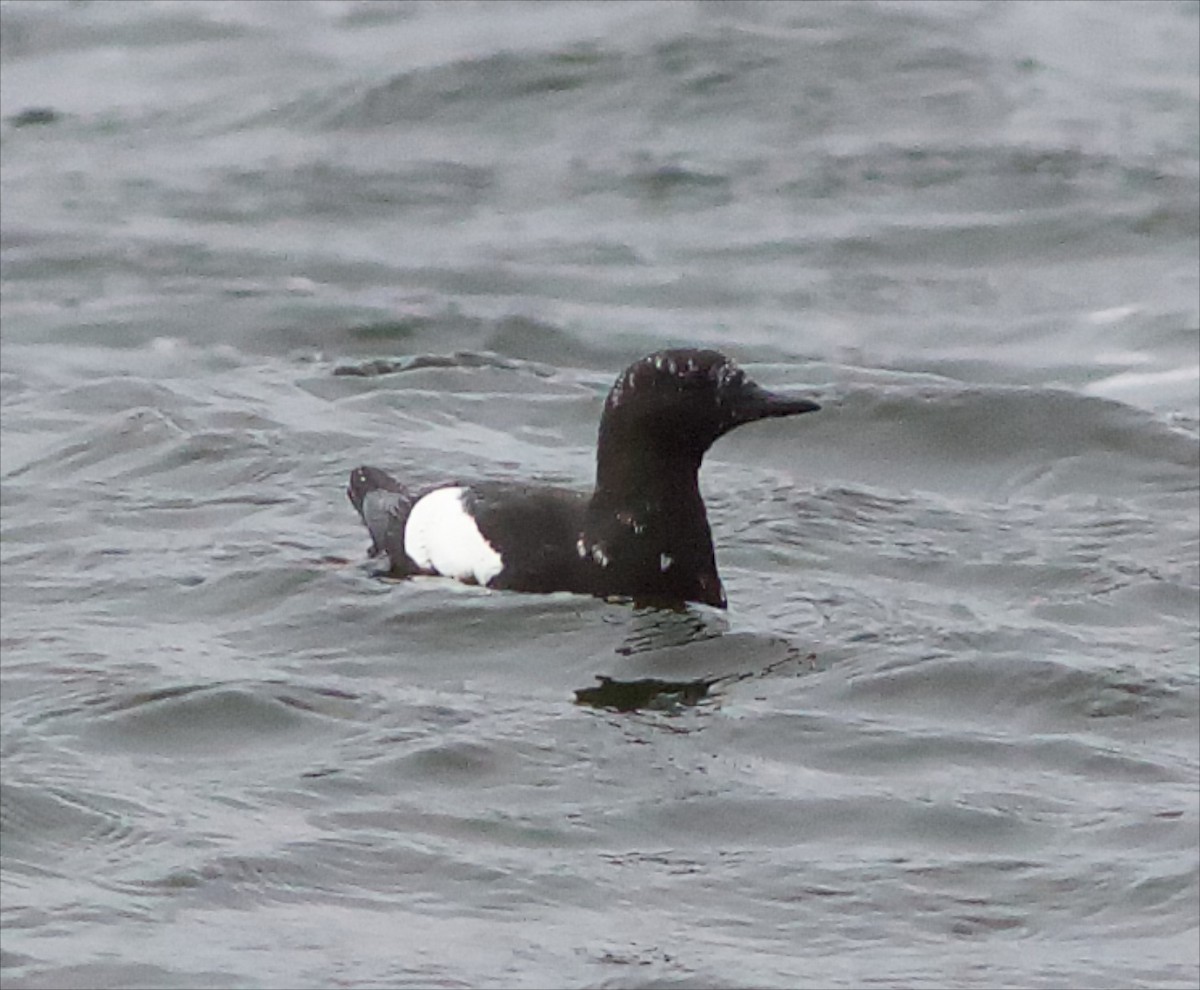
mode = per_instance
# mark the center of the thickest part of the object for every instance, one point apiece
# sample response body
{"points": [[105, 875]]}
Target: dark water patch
{"points": [[35, 117], [659, 629], [678, 184], [649, 692], [741, 656]]}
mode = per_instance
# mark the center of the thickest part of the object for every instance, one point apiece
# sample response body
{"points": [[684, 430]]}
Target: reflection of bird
{"points": [[643, 533]]}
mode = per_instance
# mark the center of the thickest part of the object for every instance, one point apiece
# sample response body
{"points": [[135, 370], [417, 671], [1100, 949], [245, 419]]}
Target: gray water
{"points": [[952, 738]]}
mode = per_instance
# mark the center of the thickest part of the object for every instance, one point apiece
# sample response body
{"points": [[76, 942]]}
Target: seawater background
{"points": [[964, 596]]}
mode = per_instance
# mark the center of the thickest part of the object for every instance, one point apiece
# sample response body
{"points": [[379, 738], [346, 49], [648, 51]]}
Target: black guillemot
{"points": [[642, 533]]}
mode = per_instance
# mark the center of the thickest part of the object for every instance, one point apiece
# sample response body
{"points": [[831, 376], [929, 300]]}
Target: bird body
{"points": [[643, 533]]}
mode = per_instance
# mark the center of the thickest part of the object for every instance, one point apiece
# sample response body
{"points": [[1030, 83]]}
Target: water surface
{"points": [[951, 731]]}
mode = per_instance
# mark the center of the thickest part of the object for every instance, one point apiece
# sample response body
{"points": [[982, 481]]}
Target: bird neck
{"points": [[646, 528]]}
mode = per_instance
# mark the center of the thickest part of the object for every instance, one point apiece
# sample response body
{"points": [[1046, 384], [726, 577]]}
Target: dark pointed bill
{"points": [[755, 402]]}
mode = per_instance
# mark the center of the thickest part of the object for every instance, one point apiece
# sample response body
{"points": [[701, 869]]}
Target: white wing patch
{"points": [[441, 536]]}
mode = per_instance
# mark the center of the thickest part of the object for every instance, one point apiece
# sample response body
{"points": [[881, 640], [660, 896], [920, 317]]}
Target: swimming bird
{"points": [[643, 531]]}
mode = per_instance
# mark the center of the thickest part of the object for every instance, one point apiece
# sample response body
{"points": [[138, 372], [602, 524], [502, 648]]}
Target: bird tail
{"points": [[383, 504]]}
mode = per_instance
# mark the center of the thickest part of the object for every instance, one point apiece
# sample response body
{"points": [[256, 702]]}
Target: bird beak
{"points": [[754, 402]]}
